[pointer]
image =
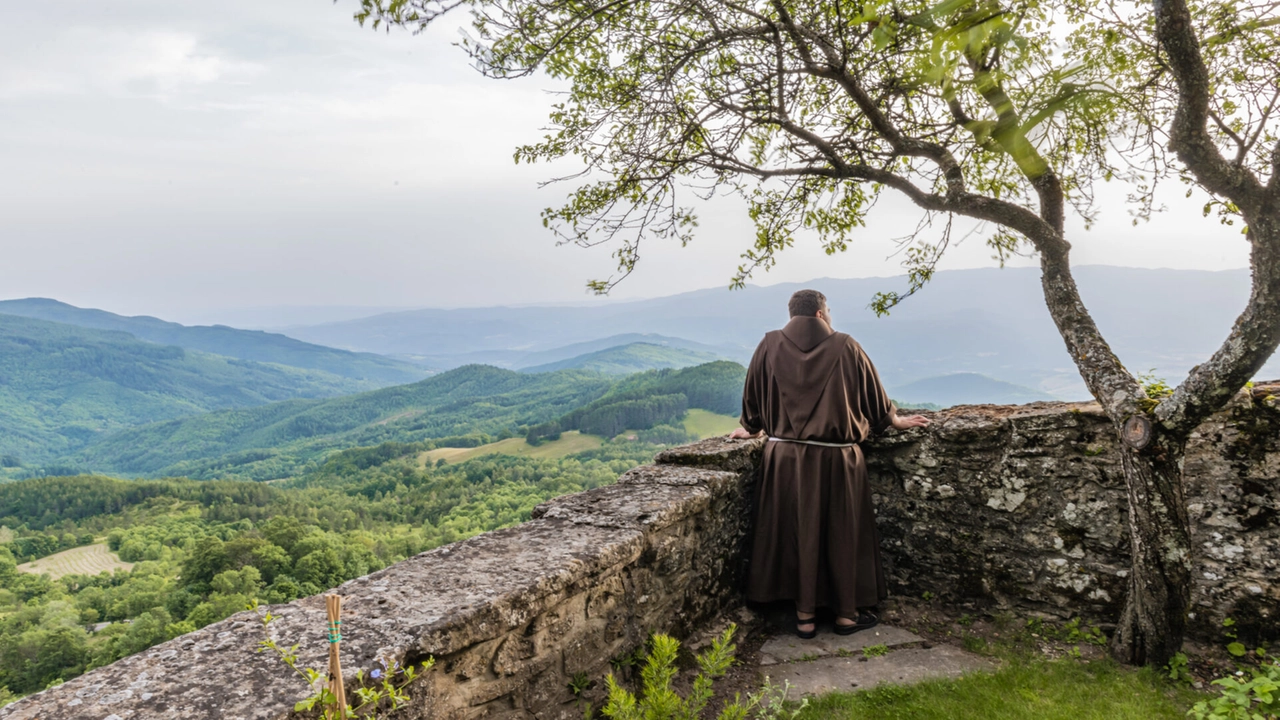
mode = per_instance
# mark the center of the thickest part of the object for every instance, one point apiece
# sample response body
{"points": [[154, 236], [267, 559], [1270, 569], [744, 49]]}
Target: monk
{"points": [[816, 395]]}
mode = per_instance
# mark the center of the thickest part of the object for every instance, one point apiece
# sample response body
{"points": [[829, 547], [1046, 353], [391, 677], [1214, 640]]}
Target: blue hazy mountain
{"points": [[368, 369], [629, 358], [965, 388], [987, 321]]}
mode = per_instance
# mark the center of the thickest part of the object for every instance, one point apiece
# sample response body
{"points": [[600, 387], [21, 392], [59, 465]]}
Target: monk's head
{"points": [[809, 303]]}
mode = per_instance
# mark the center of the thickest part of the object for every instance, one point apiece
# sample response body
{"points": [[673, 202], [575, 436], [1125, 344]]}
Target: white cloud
{"points": [[89, 61], [164, 155]]}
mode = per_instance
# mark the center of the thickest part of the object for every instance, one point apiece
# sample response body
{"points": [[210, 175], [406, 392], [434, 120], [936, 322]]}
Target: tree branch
{"points": [[1256, 332], [1189, 137]]}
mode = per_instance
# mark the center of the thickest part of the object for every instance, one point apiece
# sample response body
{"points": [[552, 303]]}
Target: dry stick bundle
{"points": [[333, 604]]}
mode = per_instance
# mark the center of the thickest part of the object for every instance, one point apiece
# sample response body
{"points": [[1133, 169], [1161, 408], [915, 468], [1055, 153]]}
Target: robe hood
{"points": [[807, 332]]}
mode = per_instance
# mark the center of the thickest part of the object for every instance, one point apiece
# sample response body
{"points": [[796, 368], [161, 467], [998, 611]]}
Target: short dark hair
{"points": [[806, 302]]}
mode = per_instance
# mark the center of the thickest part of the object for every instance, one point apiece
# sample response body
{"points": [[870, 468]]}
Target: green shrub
{"points": [[659, 702], [1254, 698]]}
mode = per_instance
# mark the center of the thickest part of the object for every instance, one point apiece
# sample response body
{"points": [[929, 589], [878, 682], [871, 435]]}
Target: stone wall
{"points": [[1024, 508], [994, 508]]}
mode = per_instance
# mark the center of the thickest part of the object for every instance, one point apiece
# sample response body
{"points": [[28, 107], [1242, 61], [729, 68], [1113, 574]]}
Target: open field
{"points": [[705, 423], [86, 560], [702, 423], [569, 443]]}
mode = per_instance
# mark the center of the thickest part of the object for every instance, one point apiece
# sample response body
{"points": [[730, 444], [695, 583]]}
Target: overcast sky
{"points": [[189, 159]]}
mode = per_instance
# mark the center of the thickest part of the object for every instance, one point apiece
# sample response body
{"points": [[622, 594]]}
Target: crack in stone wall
{"points": [[994, 508]]}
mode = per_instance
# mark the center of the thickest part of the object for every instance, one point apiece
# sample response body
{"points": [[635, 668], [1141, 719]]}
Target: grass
{"points": [[1026, 689], [705, 423], [702, 423], [569, 443], [86, 560]]}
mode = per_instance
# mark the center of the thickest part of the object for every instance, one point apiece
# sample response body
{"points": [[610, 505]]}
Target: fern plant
{"points": [[658, 701]]}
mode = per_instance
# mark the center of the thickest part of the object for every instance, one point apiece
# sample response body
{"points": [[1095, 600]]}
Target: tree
{"points": [[1006, 112]]}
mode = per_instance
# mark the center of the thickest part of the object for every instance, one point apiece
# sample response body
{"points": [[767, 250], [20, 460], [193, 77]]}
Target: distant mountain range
{"points": [[63, 386], [526, 359], [630, 358], [987, 321], [369, 370], [966, 389], [71, 376]]}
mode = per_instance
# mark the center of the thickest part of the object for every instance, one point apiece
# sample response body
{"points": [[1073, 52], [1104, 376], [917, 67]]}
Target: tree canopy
{"points": [[1012, 113]]}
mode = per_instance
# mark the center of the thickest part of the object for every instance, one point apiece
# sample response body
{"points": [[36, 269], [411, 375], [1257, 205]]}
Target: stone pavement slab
{"points": [[898, 667], [788, 648]]}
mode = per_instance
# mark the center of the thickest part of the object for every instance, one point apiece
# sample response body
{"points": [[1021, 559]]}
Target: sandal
{"points": [[807, 634], [866, 619]]}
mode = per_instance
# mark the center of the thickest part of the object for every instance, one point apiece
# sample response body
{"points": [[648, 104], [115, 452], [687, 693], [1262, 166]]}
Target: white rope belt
{"points": [[813, 442]]}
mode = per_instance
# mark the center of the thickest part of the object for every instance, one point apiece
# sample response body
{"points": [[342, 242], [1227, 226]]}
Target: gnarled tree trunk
{"points": [[1154, 618]]}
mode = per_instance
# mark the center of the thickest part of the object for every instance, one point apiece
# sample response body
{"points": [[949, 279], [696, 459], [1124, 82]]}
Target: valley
{"points": [[160, 477]]}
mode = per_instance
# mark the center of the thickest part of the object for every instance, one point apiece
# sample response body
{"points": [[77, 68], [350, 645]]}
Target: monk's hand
{"points": [[741, 434], [911, 421]]}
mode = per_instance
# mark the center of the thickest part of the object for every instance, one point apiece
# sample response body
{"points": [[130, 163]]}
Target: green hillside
{"points": [[630, 358], [466, 407], [278, 440], [369, 371], [62, 387]]}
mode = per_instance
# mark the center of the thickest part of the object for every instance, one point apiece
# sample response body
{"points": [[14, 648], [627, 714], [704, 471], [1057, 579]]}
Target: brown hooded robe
{"points": [[815, 536]]}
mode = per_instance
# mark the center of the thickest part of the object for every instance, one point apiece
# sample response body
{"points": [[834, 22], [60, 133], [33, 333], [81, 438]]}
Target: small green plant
{"points": [[628, 660], [1155, 387], [1072, 632], [770, 703], [871, 651], [928, 596], [1178, 669], [1254, 695], [965, 620], [385, 694], [973, 643], [658, 701], [579, 683]]}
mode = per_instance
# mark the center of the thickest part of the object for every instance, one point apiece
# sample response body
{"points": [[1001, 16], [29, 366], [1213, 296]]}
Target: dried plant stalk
{"points": [[333, 604]]}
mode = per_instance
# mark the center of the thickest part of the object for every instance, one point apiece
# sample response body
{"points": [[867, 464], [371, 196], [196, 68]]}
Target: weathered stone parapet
{"points": [[510, 616], [992, 507], [1024, 508]]}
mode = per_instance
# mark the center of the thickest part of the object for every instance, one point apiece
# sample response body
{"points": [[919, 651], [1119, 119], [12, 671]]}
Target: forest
{"points": [[351, 489], [202, 550]]}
